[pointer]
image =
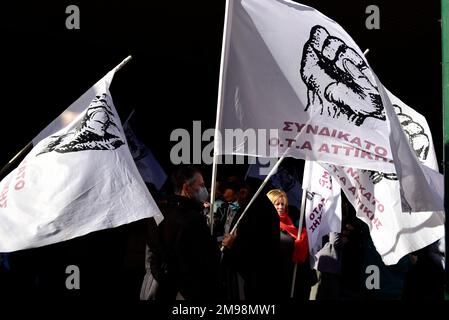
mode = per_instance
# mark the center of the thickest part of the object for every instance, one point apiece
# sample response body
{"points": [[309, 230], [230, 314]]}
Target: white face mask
{"points": [[201, 195]]}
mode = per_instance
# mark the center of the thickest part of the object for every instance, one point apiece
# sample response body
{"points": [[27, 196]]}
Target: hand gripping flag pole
{"points": [[272, 171]]}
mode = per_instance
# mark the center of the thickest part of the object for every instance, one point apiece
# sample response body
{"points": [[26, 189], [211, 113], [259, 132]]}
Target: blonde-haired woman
{"points": [[293, 250]]}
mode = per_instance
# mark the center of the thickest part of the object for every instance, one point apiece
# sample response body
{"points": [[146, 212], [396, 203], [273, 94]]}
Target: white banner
{"points": [[76, 181], [323, 206], [377, 199], [417, 130], [298, 80], [421, 187], [294, 81]]}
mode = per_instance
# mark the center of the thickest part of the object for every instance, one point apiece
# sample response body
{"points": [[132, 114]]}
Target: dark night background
{"points": [[173, 77]]}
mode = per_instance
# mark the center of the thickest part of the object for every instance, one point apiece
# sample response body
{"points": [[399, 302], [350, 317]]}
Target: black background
{"points": [[173, 77]]}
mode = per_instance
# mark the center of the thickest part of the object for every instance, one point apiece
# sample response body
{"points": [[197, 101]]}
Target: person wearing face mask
{"points": [[225, 218], [226, 214], [253, 250], [189, 251]]}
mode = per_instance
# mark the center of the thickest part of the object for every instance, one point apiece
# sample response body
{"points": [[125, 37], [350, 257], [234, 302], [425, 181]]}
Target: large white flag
{"points": [[417, 130], [294, 81], [80, 179], [377, 199], [323, 206], [288, 67]]}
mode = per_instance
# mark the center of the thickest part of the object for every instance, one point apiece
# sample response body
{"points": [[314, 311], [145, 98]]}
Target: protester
{"points": [[364, 275], [189, 251], [255, 247], [225, 215], [328, 266], [155, 267], [327, 263], [425, 279], [293, 250]]}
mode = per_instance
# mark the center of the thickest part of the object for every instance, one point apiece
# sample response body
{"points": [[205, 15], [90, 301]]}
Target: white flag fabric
{"points": [[417, 131], [290, 69], [377, 199], [149, 168], [79, 180], [323, 206], [421, 187], [294, 81]]}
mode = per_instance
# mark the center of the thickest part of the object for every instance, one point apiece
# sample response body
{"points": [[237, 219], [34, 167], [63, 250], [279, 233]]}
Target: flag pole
{"points": [[6, 169], [122, 64], [217, 135], [272, 171], [301, 222], [445, 87]]}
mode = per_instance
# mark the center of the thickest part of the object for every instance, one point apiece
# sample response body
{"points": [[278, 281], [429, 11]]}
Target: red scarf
{"points": [[301, 249]]}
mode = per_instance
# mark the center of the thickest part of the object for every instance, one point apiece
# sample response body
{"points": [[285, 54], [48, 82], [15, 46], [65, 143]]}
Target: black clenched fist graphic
{"points": [[418, 139], [338, 80], [96, 131], [415, 132]]}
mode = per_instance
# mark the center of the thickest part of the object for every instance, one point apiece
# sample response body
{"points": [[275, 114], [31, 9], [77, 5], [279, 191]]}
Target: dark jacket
{"points": [[255, 253], [191, 254]]}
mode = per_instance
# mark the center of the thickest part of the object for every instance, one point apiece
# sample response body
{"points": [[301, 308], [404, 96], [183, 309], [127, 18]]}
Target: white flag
{"points": [[417, 131], [149, 168], [294, 81], [76, 181], [323, 206], [293, 72], [421, 187], [377, 199]]}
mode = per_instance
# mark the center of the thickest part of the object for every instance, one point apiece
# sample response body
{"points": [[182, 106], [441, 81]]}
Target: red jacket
{"points": [[301, 249]]}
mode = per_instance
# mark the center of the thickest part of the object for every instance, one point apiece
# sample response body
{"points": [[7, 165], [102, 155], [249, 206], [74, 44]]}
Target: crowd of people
{"points": [[258, 254]]}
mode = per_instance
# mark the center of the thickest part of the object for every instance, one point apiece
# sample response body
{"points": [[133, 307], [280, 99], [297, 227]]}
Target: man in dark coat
{"points": [[190, 252], [255, 252]]}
